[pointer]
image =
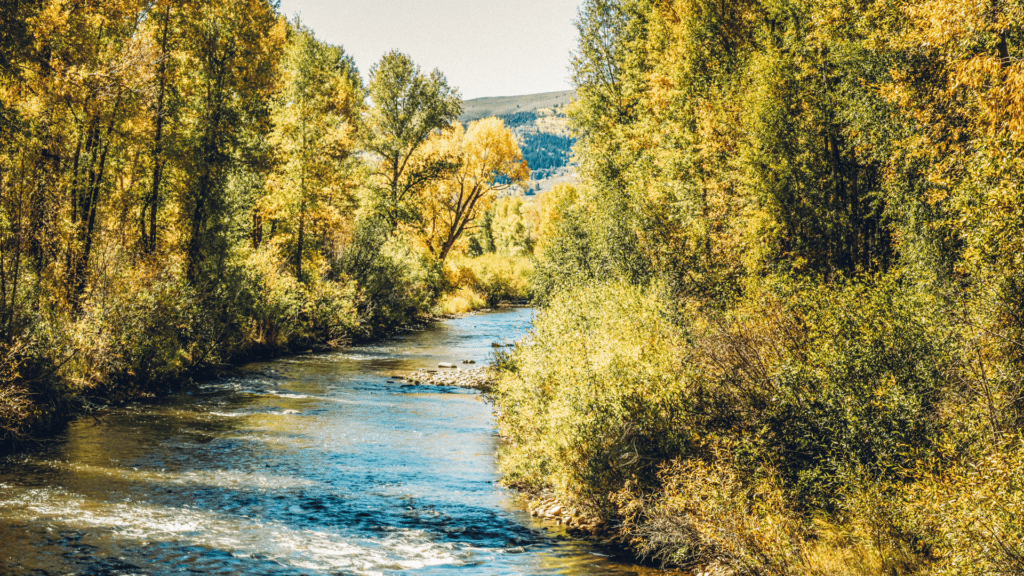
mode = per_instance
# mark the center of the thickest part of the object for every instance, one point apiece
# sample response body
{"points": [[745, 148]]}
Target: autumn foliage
{"points": [[189, 184], [783, 309]]}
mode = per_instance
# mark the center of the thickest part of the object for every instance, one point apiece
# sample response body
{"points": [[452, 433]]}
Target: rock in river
{"points": [[477, 378]]}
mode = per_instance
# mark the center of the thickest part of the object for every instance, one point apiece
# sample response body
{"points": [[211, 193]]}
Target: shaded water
{"points": [[313, 464]]}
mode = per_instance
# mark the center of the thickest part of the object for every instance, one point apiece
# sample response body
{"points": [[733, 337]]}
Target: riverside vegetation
{"points": [[189, 184], [782, 316]]}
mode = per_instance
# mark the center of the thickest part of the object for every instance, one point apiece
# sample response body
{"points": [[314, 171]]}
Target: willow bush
{"points": [[787, 287], [806, 408]]}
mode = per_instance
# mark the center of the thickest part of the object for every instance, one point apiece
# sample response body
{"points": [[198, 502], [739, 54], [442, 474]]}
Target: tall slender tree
{"points": [[234, 48], [315, 119]]}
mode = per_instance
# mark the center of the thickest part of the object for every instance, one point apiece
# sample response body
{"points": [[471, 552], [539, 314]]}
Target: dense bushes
{"points": [[393, 281], [485, 281], [782, 308], [144, 328], [589, 394], [725, 433]]}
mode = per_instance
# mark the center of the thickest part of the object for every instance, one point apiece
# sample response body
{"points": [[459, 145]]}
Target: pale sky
{"points": [[484, 47]]}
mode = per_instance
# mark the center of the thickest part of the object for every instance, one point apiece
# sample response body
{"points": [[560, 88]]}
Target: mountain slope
{"points": [[502, 105], [540, 125]]}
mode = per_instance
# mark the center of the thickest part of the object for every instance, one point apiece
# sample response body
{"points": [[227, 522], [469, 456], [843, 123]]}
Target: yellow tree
{"points": [[83, 81], [489, 161], [545, 213], [314, 129], [963, 99]]}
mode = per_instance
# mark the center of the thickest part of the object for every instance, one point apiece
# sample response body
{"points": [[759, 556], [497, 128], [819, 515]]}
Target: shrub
{"points": [[266, 303], [591, 400], [967, 513], [141, 327], [393, 283], [16, 406], [460, 301], [498, 277], [809, 390], [329, 311], [707, 513]]}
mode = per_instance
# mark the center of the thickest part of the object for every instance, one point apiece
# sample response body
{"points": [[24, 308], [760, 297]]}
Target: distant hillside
{"points": [[501, 105], [540, 125]]}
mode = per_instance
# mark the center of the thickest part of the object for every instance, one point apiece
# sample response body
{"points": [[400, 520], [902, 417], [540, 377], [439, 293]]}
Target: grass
{"points": [[462, 301]]}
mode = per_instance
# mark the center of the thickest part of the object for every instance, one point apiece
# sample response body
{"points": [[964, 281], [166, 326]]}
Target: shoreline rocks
{"points": [[547, 507], [475, 378]]}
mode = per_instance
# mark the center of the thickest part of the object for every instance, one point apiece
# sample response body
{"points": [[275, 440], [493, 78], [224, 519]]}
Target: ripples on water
{"points": [[313, 464]]}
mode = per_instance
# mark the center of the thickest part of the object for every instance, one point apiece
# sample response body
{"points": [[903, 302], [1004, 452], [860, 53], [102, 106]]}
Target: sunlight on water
{"points": [[307, 549], [221, 478], [314, 464]]}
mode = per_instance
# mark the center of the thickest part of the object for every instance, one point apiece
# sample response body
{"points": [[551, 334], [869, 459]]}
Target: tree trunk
{"points": [[153, 202], [88, 225], [301, 241], [204, 191], [257, 228]]}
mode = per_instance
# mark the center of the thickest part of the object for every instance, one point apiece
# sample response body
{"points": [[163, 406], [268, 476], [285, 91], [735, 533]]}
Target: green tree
{"points": [[406, 107], [233, 50], [315, 119]]}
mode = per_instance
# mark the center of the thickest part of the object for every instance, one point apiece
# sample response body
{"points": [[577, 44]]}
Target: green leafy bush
{"points": [[394, 283], [809, 390]]}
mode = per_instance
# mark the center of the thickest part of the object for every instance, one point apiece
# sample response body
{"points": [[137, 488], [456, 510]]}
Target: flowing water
{"points": [[312, 464]]}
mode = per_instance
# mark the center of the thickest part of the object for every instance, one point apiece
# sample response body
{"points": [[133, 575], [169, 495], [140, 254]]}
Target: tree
{"points": [[406, 108], [152, 202], [489, 160], [233, 50], [510, 228], [315, 120], [85, 79]]}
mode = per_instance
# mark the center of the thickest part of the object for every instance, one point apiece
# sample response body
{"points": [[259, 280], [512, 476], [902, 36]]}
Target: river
{"points": [[310, 464]]}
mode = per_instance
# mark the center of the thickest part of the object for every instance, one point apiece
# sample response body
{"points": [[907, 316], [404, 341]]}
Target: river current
{"points": [[311, 464]]}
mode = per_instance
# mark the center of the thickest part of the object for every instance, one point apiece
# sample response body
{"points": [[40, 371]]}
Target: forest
{"points": [[185, 186], [782, 313], [780, 318], [543, 151]]}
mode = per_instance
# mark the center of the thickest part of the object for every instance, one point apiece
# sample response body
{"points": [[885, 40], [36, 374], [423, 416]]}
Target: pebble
{"points": [[476, 378], [546, 506]]}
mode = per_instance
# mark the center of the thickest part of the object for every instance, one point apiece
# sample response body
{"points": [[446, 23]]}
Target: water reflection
{"points": [[315, 464]]}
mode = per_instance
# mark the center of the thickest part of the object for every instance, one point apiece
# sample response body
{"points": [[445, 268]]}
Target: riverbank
{"points": [[309, 464], [59, 402], [55, 402], [542, 504], [802, 429]]}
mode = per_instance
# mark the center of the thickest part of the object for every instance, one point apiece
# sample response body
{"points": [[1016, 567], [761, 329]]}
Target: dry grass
{"points": [[461, 301]]}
